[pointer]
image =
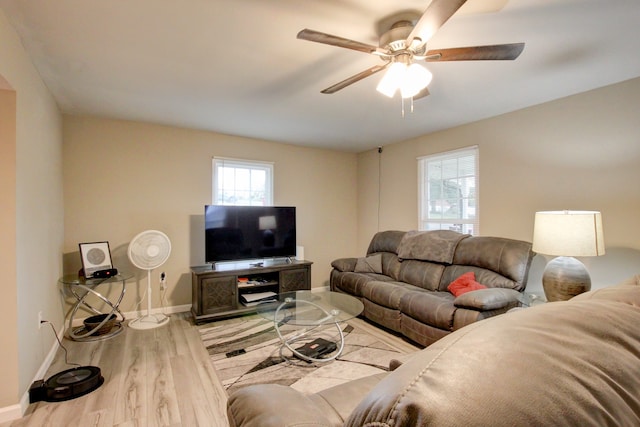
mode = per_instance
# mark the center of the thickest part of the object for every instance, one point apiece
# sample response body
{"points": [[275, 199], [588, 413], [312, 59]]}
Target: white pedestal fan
{"points": [[148, 250]]}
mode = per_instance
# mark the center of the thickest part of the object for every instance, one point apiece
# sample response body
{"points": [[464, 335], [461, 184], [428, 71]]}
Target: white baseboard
{"points": [[130, 315], [166, 310], [10, 413], [13, 412]]}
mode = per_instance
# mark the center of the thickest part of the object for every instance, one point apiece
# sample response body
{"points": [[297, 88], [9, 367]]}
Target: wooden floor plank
{"points": [[158, 377], [163, 408], [131, 401]]}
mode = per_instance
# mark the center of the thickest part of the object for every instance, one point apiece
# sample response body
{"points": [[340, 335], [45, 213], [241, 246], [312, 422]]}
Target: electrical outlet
{"points": [[40, 320], [163, 281]]}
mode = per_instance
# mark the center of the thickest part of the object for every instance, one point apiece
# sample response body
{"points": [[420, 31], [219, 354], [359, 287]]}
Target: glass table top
{"points": [[307, 308], [74, 279]]}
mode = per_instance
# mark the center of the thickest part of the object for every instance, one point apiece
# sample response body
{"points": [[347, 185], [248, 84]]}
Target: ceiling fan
{"points": [[403, 43]]}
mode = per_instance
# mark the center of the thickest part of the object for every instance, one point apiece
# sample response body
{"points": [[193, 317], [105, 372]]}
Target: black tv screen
{"points": [[249, 232]]}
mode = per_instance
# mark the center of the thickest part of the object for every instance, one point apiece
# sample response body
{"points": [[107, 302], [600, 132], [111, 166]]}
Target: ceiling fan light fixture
{"points": [[415, 79], [391, 80], [403, 39]]}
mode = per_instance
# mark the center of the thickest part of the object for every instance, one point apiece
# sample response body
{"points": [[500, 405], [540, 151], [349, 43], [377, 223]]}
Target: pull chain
{"points": [[402, 105]]}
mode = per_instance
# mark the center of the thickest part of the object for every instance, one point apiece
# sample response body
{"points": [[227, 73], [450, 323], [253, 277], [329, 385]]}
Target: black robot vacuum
{"points": [[66, 385]]}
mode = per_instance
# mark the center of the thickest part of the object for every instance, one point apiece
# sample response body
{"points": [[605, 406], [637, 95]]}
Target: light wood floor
{"points": [[157, 377]]}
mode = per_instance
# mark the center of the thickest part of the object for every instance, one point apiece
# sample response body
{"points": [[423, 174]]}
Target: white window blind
{"points": [[242, 182], [448, 191]]}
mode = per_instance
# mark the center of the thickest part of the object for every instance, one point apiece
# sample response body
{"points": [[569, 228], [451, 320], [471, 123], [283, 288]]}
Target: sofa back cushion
{"points": [[496, 262], [385, 241], [434, 246], [498, 372], [423, 274], [488, 278], [627, 291]]}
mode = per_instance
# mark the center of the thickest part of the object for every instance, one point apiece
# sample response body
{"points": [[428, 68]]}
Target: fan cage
{"points": [[149, 249]]}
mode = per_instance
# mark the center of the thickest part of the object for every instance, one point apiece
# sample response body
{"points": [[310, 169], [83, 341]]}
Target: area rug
{"points": [[247, 350]]}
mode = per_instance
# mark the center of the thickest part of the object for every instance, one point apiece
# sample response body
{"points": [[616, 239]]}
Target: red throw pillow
{"points": [[465, 283]]}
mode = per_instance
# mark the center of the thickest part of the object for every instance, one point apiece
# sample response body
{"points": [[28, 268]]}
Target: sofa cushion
{"points": [[336, 403], [488, 299], [353, 283], [489, 278], [369, 264], [275, 405], [434, 246], [626, 292], [433, 308], [344, 264], [465, 283], [387, 294], [497, 254], [385, 241], [424, 274], [502, 369]]}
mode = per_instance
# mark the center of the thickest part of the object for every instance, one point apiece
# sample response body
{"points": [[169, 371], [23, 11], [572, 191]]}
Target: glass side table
{"points": [[81, 289]]}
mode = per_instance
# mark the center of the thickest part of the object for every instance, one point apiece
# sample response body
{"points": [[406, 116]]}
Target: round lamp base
{"points": [[565, 277]]}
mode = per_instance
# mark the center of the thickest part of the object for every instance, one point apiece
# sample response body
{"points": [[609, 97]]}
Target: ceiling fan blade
{"points": [[476, 53], [438, 12], [318, 37], [423, 93], [355, 78]]}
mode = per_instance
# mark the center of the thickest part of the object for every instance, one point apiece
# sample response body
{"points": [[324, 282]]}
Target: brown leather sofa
{"points": [[403, 280], [569, 363]]}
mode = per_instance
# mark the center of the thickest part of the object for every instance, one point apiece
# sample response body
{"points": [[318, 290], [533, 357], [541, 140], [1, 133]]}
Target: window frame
{"points": [[252, 165], [424, 200]]}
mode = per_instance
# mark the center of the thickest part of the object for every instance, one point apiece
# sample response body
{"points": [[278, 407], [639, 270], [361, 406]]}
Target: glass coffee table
{"points": [[310, 311]]}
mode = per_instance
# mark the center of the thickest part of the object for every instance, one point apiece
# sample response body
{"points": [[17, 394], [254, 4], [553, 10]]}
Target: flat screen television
{"points": [[234, 233]]}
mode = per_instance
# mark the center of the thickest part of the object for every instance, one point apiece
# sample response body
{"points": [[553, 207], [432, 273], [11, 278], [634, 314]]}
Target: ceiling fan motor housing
{"points": [[395, 38]]}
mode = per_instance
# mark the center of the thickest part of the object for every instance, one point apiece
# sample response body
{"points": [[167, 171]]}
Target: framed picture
{"points": [[95, 256]]}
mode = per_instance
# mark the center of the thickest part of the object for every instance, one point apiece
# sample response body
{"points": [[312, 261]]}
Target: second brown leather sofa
{"points": [[403, 280]]}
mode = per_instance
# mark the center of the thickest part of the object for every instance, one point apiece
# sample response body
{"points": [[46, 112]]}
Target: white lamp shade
{"points": [[568, 233], [415, 79], [391, 79]]}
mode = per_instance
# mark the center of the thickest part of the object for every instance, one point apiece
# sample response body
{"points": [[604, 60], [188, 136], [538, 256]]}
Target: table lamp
{"points": [[567, 234]]}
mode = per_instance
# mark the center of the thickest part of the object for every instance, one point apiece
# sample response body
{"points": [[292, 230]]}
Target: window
{"points": [[448, 191], [242, 182]]}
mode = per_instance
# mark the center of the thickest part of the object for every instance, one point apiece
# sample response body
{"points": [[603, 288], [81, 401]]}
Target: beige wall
{"points": [[581, 152], [32, 223], [8, 306], [122, 177]]}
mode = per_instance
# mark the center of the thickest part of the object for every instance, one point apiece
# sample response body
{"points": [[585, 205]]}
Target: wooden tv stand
{"points": [[216, 290]]}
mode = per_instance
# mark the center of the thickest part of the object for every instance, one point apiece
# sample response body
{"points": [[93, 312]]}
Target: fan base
{"points": [[149, 322]]}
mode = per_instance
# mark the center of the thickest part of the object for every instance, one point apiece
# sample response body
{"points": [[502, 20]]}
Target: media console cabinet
{"points": [[219, 291]]}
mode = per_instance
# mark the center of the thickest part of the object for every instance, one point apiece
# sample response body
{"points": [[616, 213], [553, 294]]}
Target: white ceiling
{"points": [[236, 67]]}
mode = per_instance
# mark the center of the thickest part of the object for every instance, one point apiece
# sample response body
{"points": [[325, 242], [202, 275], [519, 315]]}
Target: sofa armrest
{"points": [[488, 299], [344, 264], [273, 405]]}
